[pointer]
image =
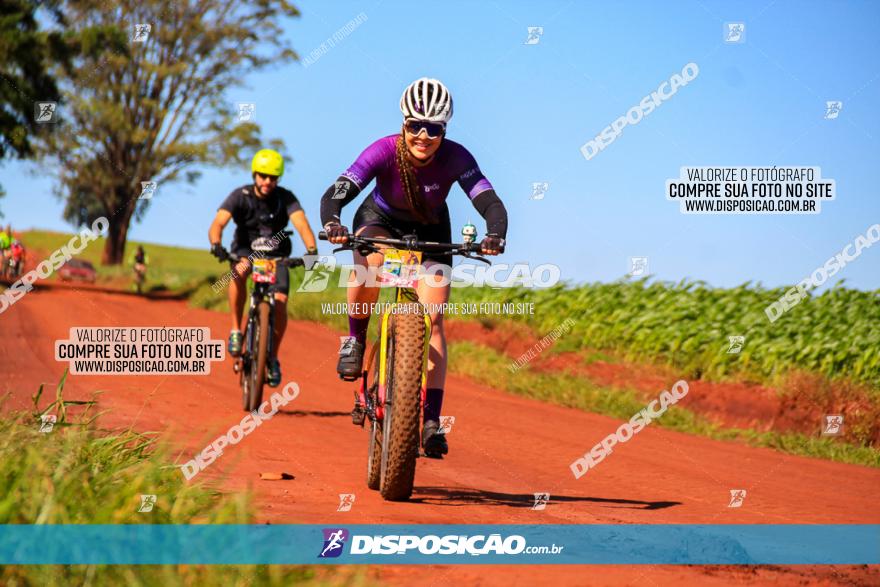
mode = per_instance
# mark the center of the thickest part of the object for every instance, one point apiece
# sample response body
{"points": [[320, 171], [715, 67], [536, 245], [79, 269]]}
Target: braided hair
{"points": [[411, 187]]}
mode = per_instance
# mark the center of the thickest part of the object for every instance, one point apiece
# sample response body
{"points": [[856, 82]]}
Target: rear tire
{"points": [[401, 426], [254, 380]]}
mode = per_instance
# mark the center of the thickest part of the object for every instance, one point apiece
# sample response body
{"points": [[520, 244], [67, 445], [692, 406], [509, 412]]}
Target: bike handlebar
{"points": [[289, 261], [408, 242]]}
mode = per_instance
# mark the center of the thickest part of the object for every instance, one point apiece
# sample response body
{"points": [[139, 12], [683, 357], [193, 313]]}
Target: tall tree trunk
{"points": [[117, 233]]}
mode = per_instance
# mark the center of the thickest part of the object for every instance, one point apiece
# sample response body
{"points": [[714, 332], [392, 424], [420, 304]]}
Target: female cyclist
{"points": [[414, 171]]}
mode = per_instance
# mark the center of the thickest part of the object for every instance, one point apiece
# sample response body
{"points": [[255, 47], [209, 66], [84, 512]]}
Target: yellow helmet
{"points": [[268, 162]]}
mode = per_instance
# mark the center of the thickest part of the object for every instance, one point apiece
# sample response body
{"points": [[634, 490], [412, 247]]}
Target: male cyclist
{"points": [[139, 261], [414, 171], [260, 209]]}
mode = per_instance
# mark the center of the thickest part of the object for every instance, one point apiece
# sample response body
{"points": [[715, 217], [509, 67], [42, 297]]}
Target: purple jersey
{"points": [[451, 163]]}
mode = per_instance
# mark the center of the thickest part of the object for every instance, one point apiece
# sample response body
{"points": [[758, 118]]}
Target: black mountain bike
{"points": [[260, 325]]}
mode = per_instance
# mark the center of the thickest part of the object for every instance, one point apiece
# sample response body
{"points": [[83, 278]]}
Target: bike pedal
{"points": [[358, 416], [349, 378]]}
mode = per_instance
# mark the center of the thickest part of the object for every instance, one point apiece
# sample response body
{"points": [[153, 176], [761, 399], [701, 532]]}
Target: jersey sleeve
{"points": [[368, 164], [291, 203], [470, 178], [232, 202]]}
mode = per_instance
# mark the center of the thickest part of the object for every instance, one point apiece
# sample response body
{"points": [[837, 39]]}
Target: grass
{"points": [[77, 474], [484, 365], [169, 268]]}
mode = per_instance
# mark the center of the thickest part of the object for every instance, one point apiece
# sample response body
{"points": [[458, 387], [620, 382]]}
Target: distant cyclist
{"points": [[17, 258], [139, 260], [260, 209], [5, 244], [414, 171]]}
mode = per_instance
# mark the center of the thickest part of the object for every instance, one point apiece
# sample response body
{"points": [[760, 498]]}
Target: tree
{"points": [[26, 54], [150, 104]]}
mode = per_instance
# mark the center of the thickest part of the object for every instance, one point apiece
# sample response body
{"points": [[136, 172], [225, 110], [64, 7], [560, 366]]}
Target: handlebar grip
{"points": [[322, 236]]}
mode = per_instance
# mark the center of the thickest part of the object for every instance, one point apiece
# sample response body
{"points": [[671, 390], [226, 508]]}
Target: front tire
{"points": [[402, 403], [255, 378]]}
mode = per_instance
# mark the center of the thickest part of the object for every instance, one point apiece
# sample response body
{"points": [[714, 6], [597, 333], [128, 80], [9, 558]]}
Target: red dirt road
{"points": [[503, 448]]}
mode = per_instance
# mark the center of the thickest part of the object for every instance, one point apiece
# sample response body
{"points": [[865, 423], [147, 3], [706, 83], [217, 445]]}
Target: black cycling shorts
{"points": [[282, 275], [370, 214]]}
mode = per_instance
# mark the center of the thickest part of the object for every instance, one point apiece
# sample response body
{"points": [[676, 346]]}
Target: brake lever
{"points": [[477, 258]]}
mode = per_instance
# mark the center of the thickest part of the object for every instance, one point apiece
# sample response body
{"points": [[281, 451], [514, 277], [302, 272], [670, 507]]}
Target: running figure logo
{"points": [[833, 425], [147, 503], [736, 344], [341, 189], [534, 37], [334, 539], [539, 188], [140, 33], [638, 266], [734, 32], [44, 112], [832, 109], [446, 423], [346, 500], [737, 497], [541, 500], [148, 188], [47, 422], [317, 278], [247, 112]]}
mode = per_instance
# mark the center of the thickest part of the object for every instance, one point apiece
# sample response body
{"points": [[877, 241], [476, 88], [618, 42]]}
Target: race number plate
{"points": [[264, 271], [401, 268]]}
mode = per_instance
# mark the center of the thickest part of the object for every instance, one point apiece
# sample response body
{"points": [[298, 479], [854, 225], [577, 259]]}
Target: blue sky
{"points": [[525, 110]]}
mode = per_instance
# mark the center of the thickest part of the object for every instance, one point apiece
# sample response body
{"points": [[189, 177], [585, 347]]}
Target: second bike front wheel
{"points": [[254, 380], [400, 442]]}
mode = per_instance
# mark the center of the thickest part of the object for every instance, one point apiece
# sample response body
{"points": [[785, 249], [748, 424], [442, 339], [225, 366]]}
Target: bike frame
{"points": [[402, 295]]}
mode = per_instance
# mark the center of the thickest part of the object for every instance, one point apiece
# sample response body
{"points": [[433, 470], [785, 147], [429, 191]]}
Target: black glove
{"points": [[218, 251], [335, 230], [492, 242]]}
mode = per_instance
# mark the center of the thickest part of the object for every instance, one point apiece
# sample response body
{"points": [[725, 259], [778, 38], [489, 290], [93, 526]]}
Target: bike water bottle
{"points": [[469, 233]]}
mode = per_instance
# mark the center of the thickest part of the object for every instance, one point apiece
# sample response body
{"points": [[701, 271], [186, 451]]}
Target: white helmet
{"points": [[427, 99]]}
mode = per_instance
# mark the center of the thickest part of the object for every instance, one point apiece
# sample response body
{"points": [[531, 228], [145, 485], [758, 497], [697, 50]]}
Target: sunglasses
{"points": [[433, 129], [269, 177]]}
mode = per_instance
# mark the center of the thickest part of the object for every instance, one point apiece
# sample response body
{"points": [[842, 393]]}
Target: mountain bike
{"points": [[260, 325], [392, 391]]}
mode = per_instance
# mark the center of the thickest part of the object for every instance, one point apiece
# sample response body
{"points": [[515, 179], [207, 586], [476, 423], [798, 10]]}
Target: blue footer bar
{"points": [[693, 544]]}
